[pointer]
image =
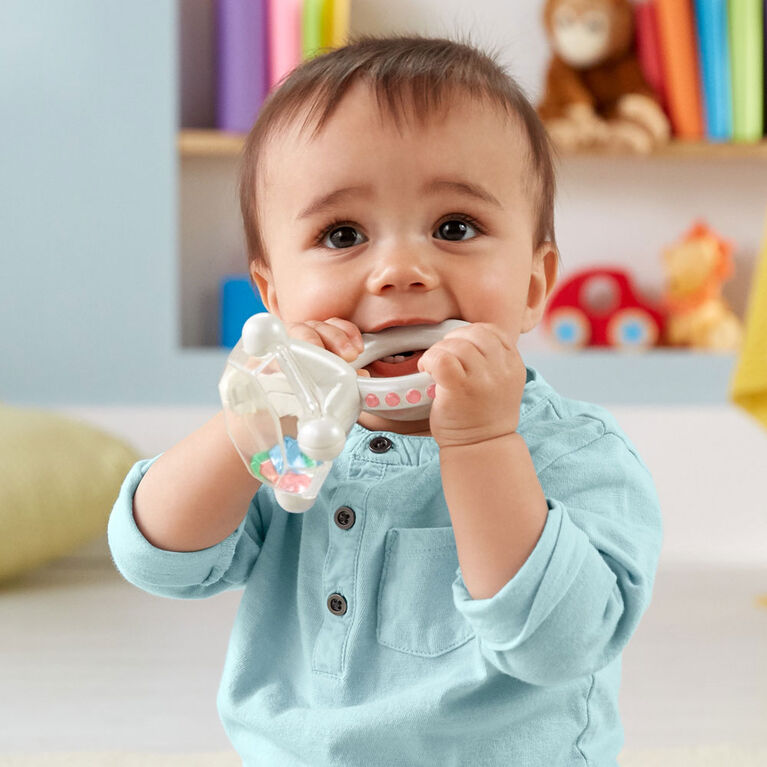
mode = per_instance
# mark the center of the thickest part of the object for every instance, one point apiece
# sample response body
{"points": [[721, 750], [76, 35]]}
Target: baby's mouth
{"points": [[400, 364]]}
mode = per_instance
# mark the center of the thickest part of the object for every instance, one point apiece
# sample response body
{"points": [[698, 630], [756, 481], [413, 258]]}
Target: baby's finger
{"points": [[335, 340], [461, 354], [351, 330], [442, 365], [303, 332], [489, 339]]}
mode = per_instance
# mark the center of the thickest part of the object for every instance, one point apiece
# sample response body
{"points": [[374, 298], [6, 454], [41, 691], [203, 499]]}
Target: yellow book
{"points": [[341, 19], [335, 23], [749, 384]]}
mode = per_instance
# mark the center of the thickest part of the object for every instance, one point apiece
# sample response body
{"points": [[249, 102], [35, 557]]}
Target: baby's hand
{"points": [[341, 337], [480, 378]]}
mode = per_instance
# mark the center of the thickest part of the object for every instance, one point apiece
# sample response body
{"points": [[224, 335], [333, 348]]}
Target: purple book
{"points": [[242, 63]]}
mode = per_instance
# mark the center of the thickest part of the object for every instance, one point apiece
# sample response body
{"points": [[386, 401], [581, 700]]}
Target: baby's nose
{"points": [[403, 271]]}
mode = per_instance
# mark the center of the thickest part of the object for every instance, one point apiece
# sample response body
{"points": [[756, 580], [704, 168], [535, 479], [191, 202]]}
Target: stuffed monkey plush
{"points": [[595, 93]]}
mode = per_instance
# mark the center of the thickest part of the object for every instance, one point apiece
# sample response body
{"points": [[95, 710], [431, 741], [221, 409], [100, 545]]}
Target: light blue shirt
{"points": [[360, 644]]}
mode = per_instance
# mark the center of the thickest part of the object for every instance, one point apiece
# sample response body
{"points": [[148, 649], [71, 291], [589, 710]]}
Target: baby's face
{"points": [[383, 228]]}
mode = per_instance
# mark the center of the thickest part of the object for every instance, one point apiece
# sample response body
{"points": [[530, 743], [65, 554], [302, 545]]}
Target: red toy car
{"points": [[601, 307]]}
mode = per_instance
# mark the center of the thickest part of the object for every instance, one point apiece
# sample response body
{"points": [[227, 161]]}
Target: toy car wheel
{"points": [[632, 329], [569, 327]]}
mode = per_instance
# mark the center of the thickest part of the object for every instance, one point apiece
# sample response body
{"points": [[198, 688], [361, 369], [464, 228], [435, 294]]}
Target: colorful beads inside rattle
{"points": [[268, 467]]}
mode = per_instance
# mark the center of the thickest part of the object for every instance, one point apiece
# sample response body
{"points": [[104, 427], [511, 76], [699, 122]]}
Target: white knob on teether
{"points": [[260, 332], [322, 439]]}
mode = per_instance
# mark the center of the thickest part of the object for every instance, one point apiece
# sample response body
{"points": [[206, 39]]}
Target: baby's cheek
{"points": [[302, 298]]}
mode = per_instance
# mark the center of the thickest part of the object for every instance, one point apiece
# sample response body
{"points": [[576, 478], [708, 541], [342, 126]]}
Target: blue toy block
{"points": [[239, 300]]}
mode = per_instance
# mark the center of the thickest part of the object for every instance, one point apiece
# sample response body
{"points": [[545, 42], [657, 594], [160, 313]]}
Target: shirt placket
{"points": [[346, 522]]}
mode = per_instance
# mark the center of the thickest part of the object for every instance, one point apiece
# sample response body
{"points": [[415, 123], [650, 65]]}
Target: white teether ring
{"points": [[401, 398]]}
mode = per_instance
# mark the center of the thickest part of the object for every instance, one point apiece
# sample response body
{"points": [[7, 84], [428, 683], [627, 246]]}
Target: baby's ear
{"points": [[543, 276], [262, 279]]}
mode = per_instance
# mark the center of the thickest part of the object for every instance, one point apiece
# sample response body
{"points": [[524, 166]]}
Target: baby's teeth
{"points": [[394, 358]]}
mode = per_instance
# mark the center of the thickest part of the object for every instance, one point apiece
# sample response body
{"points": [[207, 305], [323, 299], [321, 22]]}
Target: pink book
{"points": [[284, 31]]}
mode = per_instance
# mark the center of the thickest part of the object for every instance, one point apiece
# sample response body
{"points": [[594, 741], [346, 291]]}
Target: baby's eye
{"points": [[455, 229], [344, 236]]}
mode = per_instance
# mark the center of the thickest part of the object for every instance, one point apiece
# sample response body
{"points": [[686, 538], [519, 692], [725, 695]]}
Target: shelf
{"points": [[194, 142], [688, 150], [660, 378], [209, 143]]}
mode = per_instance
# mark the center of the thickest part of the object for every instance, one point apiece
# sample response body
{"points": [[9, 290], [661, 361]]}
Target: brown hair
{"points": [[425, 70]]}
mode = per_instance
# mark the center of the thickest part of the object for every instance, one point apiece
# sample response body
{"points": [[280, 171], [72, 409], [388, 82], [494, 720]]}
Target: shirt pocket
{"points": [[416, 612]]}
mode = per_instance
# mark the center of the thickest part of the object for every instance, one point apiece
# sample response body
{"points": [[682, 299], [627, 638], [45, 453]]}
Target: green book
{"points": [[746, 53], [311, 28]]}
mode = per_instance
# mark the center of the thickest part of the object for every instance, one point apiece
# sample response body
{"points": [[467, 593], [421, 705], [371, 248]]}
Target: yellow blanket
{"points": [[749, 384]]}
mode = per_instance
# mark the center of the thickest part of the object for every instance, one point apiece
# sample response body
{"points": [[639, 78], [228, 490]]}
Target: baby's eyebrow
{"points": [[329, 200], [466, 188], [462, 187]]}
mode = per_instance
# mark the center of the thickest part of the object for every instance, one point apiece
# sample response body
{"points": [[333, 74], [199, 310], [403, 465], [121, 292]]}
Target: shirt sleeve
{"points": [[572, 606], [179, 574]]}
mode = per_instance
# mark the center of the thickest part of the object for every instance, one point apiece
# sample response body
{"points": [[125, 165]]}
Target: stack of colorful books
{"points": [[705, 59], [261, 41]]}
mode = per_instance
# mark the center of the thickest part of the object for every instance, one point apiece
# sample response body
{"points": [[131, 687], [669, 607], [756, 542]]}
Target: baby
{"points": [[463, 588]]}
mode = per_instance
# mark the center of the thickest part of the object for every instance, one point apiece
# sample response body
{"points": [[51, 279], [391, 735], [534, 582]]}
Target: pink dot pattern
{"points": [[413, 396], [393, 399]]}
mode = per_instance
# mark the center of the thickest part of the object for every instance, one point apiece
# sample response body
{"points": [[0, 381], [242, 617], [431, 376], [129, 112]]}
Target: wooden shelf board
{"points": [[209, 143], [199, 142], [686, 150]]}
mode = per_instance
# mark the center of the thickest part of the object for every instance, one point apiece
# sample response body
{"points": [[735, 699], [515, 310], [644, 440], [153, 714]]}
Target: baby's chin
{"points": [[411, 428]]}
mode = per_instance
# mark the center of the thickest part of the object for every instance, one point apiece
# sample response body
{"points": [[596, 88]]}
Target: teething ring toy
{"points": [[289, 405]]}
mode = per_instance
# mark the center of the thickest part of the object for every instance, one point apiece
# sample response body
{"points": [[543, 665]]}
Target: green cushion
{"points": [[58, 481]]}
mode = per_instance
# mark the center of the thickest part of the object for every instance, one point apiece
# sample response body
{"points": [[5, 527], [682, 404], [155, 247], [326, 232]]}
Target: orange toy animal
{"points": [[596, 95], [696, 313]]}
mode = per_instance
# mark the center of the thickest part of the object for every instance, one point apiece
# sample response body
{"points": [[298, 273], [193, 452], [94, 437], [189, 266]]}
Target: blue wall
{"points": [[87, 200]]}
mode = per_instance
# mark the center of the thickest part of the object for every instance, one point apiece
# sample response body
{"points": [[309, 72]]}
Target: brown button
{"points": [[336, 604], [380, 444], [344, 517]]}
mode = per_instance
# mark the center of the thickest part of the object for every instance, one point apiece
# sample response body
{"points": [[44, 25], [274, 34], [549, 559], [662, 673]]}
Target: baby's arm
{"points": [[197, 493], [573, 605]]}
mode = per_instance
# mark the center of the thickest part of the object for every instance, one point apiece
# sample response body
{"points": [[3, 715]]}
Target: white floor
{"points": [[89, 663]]}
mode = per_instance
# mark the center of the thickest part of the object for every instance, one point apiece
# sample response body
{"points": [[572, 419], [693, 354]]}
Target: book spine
{"points": [[746, 41], [713, 44], [341, 22], [648, 49], [242, 63], [284, 34], [680, 67], [311, 28]]}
